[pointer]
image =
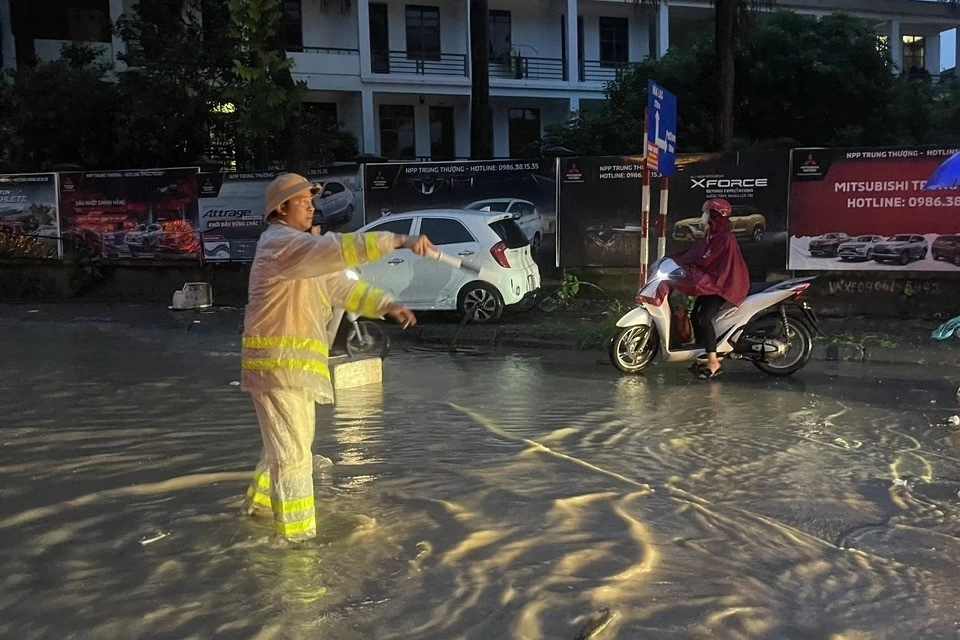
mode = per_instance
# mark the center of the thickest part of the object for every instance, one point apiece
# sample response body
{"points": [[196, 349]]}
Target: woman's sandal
{"points": [[706, 374]]}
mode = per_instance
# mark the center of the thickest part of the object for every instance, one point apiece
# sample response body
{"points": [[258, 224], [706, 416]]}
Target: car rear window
{"points": [[510, 232]]}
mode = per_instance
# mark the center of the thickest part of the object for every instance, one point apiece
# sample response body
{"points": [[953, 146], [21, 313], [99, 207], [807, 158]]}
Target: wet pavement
{"points": [[474, 495]]}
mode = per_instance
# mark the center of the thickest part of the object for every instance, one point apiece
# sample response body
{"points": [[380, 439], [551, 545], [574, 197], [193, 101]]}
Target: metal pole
{"points": [[645, 210], [662, 222], [645, 227]]}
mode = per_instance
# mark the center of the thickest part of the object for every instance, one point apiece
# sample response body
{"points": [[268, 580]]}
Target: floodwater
{"points": [[479, 496]]}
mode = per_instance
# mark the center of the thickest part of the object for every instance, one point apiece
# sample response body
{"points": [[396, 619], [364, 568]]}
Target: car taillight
{"points": [[498, 251], [799, 291]]}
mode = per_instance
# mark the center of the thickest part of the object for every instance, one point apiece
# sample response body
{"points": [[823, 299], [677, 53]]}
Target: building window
{"points": [[423, 32], [524, 131], [500, 36], [291, 25], [441, 134], [398, 139], [614, 41], [914, 50], [326, 111]]}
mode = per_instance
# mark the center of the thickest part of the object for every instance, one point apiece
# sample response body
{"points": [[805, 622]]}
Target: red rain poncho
{"points": [[715, 266]]}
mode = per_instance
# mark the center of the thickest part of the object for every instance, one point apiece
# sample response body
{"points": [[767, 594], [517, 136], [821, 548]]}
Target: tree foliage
{"points": [[58, 113], [801, 81], [202, 80]]}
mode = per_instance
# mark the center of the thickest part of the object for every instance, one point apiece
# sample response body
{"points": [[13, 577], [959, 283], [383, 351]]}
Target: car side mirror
{"points": [[517, 216]]}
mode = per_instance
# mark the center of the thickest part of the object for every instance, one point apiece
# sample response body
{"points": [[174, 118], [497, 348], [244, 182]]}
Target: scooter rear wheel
{"points": [[801, 345], [371, 340], [625, 352]]}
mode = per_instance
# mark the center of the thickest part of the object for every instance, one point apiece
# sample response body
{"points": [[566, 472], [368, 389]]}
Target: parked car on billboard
{"points": [[491, 240], [828, 245], [524, 213], [947, 248], [334, 205], [747, 222], [904, 248], [859, 248], [144, 238]]}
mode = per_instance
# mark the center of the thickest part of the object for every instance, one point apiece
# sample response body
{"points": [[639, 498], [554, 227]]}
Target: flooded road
{"points": [[481, 496]]}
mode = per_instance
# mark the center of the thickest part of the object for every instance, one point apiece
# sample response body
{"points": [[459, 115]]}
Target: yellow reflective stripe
{"points": [[293, 528], [350, 256], [262, 480], [356, 295], [300, 504], [373, 247], [279, 342], [370, 304], [258, 498], [269, 364]]}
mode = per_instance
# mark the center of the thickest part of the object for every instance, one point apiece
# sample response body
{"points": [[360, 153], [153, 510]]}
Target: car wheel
{"points": [[905, 258], [535, 247], [869, 254], [348, 214], [481, 301], [758, 234], [956, 259]]}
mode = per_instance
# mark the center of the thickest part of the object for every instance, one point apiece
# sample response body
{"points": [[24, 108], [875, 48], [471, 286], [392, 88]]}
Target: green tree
{"points": [[731, 19], [267, 101], [60, 112], [179, 62], [802, 81]]}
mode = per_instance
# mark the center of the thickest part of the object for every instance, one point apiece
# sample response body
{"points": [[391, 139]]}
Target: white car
{"points": [[334, 205], [523, 211], [490, 240]]}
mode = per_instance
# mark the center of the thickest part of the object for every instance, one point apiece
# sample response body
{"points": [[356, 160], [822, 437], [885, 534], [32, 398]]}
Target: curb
{"points": [[510, 337]]}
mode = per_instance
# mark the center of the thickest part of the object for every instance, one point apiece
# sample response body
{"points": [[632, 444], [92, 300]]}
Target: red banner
{"points": [[865, 209]]}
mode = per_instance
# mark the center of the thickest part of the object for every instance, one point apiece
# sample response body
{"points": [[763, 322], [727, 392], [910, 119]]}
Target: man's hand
{"points": [[420, 245], [316, 230], [403, 316]]}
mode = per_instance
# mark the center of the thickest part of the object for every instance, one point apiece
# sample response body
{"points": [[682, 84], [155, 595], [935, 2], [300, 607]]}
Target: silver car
{"points": [[859, 248], [904, 248]]}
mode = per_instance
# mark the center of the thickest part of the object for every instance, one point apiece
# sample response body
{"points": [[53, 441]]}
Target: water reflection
{"points": [[477, 497]]}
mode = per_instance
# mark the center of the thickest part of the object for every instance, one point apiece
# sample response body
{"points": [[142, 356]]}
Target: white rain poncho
{"points": [[295, 279]]}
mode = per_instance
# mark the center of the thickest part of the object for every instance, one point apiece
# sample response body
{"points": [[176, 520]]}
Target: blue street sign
{"points": [[661, 129]]}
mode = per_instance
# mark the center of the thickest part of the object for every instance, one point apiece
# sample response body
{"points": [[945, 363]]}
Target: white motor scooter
{"points": [[771, 328], [364, 337]]}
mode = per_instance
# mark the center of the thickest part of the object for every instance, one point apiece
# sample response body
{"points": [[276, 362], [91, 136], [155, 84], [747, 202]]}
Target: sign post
{"points": [[661, 152], [645, 210]]}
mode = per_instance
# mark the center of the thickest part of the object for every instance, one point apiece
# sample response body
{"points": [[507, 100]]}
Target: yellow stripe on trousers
{"points": [[298, 527], [275, 342], [270, 364], [300, 504], [259, 498]]}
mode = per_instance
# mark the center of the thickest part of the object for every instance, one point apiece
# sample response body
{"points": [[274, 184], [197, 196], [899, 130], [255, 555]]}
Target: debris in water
{"points": [[322, 464], [234, 383], [34, 311], [160, 536], [954, 420], [595, 624]]}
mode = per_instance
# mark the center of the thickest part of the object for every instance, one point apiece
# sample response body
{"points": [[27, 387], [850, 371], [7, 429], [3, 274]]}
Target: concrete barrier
{"points": [[351, 373]]}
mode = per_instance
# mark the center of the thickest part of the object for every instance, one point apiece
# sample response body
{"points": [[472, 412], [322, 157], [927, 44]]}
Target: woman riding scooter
{"points": [[716, 273]]}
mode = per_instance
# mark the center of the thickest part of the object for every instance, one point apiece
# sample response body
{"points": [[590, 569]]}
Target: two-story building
{"points": [[397, 72]]}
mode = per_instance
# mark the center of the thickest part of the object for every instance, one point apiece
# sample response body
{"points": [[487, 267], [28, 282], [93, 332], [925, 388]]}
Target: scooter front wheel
{"points": [[634, 348], [369, 339]]}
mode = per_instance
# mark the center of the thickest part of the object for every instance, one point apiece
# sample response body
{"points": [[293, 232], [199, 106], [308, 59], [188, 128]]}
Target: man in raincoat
{"points": [[295, 279]]}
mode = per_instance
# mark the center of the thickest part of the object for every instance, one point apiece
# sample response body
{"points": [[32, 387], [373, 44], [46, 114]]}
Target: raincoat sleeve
{"points": [[308, 256], [357, 296], [691, 255]]}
